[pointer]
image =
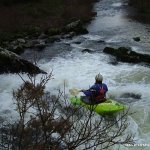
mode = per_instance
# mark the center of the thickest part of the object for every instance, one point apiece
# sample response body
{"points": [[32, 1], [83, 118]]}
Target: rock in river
{"points": [[137, 39], [76, 27], [13, 63], [124, 54]]}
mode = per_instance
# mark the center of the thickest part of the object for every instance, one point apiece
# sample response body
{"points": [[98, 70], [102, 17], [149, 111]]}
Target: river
{"points": [[111, 27]]}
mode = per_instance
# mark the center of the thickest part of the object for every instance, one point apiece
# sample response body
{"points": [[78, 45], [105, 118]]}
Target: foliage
{"points": [[21, 17], [55, 125]]}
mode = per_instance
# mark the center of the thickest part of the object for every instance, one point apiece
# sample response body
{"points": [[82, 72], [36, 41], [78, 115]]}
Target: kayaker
{"points": [[96, 93]]}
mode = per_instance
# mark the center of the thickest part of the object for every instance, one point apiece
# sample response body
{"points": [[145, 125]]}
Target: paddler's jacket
{"points": [[97, 92]]}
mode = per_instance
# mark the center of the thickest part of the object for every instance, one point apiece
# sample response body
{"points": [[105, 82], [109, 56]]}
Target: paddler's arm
{"points": [[87, 92]]}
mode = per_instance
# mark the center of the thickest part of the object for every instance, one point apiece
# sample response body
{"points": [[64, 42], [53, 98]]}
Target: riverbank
{"points": [[31, 18], [142, 10], [142, 5]]}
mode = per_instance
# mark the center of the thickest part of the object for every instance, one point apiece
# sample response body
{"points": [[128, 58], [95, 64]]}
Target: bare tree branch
{"points": [[71, 129]]}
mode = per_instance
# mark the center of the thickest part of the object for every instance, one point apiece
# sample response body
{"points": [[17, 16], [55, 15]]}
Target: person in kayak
{"points": [[97, 93]]}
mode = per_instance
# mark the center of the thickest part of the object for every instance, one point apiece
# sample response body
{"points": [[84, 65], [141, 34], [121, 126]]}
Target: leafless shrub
{"points": [[51, 126]]}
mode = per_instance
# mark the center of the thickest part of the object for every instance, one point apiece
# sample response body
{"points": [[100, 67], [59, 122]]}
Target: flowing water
{"points": [[129, 83]]}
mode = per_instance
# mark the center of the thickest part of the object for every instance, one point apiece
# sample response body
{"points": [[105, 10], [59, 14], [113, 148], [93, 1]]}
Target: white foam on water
{"points": [[77, 69], [93, 37], [117, 4], [8, 83], [114, 39]]}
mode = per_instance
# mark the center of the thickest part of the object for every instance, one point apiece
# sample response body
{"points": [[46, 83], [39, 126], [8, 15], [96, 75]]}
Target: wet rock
{"points": [[18, 49], [69, 35], [21, 40], [52, 39], [131, 95], [128, 97], [43, 36], [37, 43], [72, 34], [16, 46], [53, 31], [113, 61], [87, 51], [40, 46], [77, 42], [137, 39], [13, 63], [100, 41], [124, 54], [31, 43], [76, 27]]}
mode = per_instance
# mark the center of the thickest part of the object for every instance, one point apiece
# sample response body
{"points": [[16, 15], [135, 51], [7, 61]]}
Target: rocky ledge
{"points": [[124, 54], [41, 40], [13, 63]]}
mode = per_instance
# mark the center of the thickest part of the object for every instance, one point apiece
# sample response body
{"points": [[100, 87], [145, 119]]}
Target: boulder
{"points": [[18, 49], [100, 41], [76, 27], [131, 95], [17, 46], [32, 43], [40, 46], [77, 42], [52, 39], [68, 35], [13, 63], [21, 40], [43, 36], [124, 54], [113, 61], [53, 31], [87, 50], [137, 39]]}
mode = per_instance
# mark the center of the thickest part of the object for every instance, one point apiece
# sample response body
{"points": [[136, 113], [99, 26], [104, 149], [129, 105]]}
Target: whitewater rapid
{"points": [[76, 69]]}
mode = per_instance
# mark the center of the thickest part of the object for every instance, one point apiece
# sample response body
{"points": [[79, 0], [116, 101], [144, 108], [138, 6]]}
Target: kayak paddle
{"points": [[74, 91]]}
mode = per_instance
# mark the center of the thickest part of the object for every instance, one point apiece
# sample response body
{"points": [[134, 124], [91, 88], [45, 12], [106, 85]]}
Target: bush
{"points": [[52, 125]]}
